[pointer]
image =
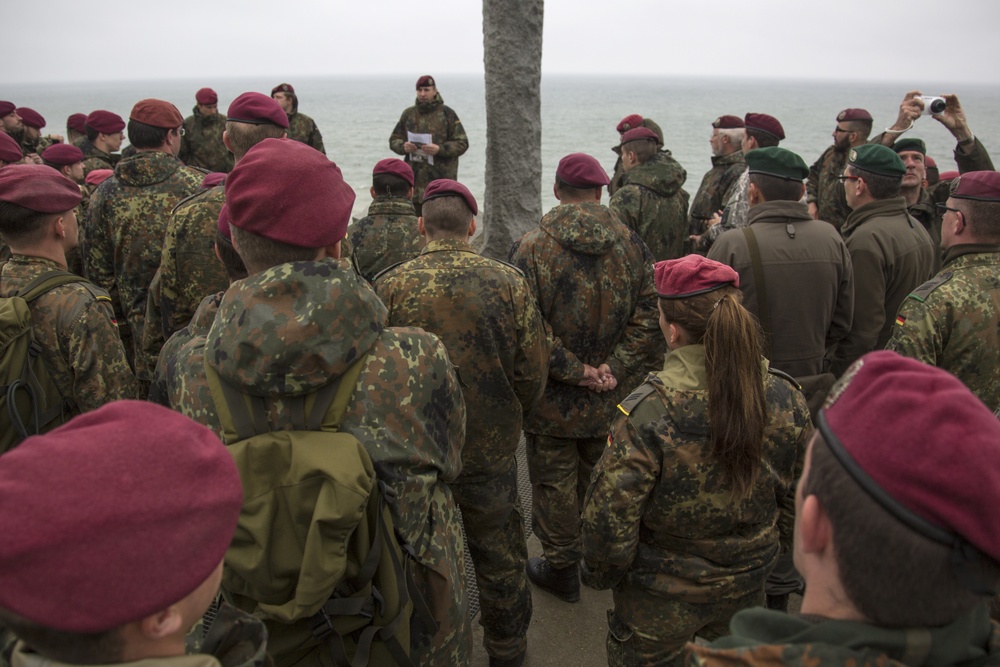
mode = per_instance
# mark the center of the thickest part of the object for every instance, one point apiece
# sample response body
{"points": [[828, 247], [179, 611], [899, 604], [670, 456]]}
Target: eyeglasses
{"points": [[840, 129], [843, 178], [944, 208], [181, 131]]}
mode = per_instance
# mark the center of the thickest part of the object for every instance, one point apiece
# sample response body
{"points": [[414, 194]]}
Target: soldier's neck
{"points": [[911, 195]]}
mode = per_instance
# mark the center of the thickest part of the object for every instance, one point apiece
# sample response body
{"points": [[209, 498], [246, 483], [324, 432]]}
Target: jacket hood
{"points": [[429, 106], [147, 168], [661, 174], [585, 228], [294, 327]]}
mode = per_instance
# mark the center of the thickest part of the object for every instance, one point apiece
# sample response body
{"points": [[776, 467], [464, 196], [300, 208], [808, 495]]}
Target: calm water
{"points": [[356, 115]]}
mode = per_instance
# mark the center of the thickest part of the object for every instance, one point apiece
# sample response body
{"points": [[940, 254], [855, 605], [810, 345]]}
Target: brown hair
{"points": [[644, 149], [69, 647], [737, 411], [244, 136], [231, 260], [449, 216], [774, 188], [764, 139], [879, 185], [260, 254], [22, 226], [983, 218]]}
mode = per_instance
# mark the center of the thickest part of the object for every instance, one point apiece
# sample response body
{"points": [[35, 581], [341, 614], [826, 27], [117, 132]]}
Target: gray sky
{"points": [[880, 40]]}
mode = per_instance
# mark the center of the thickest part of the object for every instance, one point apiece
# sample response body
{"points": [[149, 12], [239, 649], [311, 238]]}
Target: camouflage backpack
{"points": [[315, 554], [30, 402]]}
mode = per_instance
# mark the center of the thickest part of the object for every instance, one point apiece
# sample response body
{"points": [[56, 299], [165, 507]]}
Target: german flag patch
{"points": [[900, 320]]}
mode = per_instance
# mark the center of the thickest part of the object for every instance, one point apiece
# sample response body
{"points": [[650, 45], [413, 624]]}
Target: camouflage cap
{"points": [[638, 134], [877, 159], [445, 187], [287, 191], [728, 123], [77, 122], [39, 188], [222, 224], [628, 122], [283, 88], [776, 161], [853, 114], [394, 167], [31, 117], [764, 123], [921, 444], [911, 144], [131, 502], [62, 154], [98, 176], [425, 81], [692, 275], [213, 179], [10, 150], [157, 113], [579, 170], [977, 185], [206, 96], [256, 109], [7, 108], [105, 122]]}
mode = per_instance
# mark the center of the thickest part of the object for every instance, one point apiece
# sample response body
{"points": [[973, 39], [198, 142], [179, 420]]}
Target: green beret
{"points": [[776, 161], [877, 159], [917, 145]]}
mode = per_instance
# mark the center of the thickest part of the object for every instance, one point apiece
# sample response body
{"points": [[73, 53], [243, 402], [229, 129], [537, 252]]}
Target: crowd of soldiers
{"points": [[840, 322]]}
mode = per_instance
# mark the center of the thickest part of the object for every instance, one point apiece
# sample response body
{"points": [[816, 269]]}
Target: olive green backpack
{"points": [[314, 555]]}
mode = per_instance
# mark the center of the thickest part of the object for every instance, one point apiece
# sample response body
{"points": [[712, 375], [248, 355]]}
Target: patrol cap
{"points": [[579, 170], [977, 185], [638, 133], [289, 192], [113, 516], [206, 96], [778, 162], [106, 122], [62, 154], [692, 275], [764, 123], [445, 187], [156, 113], [853, 114], [38, 188], [78, 123], [256, 109], [877, 159], [913, 144], [7, 108], [921, 444], [426, 80], [31, 117], [98, 176], [629, 122], [728, 123], [10, 150], [223, 224], [394, 167], [213, 179], [283, 88]]}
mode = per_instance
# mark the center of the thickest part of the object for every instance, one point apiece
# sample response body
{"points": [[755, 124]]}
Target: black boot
{"points": [[507, 662], [777, 602], [563, 582]]}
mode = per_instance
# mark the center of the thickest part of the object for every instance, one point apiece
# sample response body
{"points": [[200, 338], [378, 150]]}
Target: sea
{"points": [[579, 114]]}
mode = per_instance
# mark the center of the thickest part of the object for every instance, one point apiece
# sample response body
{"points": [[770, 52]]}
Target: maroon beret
{"points": [[637, 133], [287, 191], [728, 123], [579, 170], [62, 154], [257, 109], [223, 224], [105, 122], [78, 123], [628, 122], [764, 123], [283, 88], [98, 176], [445, 187], [206, 96], [921, 444], [692, 275], [156, 113], [7, 108], [395, 167], [949, 175], [114, 516], [929, 161], [10, 150], [39, 188], [213, 179], [853, 114], [426, 80], [977, 185], [31, 117]]}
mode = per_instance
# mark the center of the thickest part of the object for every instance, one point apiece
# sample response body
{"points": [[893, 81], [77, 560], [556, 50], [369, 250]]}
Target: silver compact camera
{"points": [[933, 105]]}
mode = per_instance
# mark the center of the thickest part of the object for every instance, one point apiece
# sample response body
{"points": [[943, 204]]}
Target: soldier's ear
{"points": [[420, 226], [225, 140], [371, 191], [472, 228]]}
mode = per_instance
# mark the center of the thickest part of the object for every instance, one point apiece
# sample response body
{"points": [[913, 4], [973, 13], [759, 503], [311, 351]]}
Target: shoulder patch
{"points": [[784, 376], [922, 292], [633, 399]]}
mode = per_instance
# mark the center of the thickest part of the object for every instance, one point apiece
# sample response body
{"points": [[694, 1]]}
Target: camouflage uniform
{"points": [[660, 526], [303, 128], [718, 180], [386, 236], [953, 321], [593, 281], [737, 211], [763, 637], [484, 312], [653, 203], [201, 145], [825, 190], [618, 178], [199, 325], [125, 229], [892, 255], [294, 328], [95, 158], [75, 326], [446, 130]]}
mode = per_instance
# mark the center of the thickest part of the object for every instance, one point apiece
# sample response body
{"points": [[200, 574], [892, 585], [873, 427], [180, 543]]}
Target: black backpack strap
{"points": [[761, 285]]}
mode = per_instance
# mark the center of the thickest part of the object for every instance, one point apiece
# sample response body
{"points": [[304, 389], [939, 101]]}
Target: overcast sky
{"points": [[880, 40]]}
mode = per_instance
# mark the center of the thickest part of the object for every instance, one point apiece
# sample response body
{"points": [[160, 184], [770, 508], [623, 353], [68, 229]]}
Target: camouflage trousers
{"points": [[560, 470], [652, 631], [494, 528]]}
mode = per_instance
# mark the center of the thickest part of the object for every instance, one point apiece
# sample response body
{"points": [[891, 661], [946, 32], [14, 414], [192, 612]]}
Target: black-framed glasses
{"points": [[944, 208], [843, 178], [840, 129]]}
